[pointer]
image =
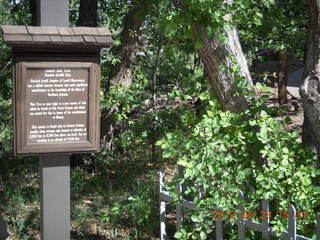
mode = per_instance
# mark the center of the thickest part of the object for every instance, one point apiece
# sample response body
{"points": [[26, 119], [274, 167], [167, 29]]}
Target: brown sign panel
{"points": [[56, 107]]}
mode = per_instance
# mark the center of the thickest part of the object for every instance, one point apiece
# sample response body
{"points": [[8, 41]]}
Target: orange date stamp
{"points": [[251, 215]]}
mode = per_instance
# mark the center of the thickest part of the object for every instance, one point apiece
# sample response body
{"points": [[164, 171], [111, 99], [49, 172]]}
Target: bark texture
{"points": [[88, 13], [155, 71], [121, 73], [283, 77], [213, 54], [310, 88]]}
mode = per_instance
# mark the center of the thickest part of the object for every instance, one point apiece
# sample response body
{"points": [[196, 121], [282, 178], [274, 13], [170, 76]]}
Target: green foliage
{"points": [[16, 13], [222, 151], [226, 153], [136, 209], [214, 16], [282, 25], [19, 196], [17, 185], [116, 200]]}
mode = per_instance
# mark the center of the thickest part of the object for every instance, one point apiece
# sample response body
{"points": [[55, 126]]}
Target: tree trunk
{"points": [[310, 88], [213, 54], [88, 13], [155, 71], [121, 73], [283, 77], [34, 8]]}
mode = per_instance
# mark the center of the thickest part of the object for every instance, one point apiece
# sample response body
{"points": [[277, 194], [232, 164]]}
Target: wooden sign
{"points": [[56, 95], [57, 107]]}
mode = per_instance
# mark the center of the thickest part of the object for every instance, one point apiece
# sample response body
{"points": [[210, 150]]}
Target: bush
{"points": [[226, 153]]}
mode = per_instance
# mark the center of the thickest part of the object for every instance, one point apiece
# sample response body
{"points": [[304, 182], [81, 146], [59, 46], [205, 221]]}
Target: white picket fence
{"points": [[243, 224]]}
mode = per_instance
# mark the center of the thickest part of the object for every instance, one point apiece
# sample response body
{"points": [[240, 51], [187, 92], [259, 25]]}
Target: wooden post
{"points": [[55, 197], [53, 13], [54, 168]]}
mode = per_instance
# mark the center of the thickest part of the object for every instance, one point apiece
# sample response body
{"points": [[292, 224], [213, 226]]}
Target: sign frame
{"points": [[21, 64]]}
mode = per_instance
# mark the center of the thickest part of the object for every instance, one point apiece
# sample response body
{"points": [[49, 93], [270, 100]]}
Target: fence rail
{"points": [[243, 224]]}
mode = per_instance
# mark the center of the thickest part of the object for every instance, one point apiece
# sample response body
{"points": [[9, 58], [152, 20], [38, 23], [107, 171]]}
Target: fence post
{"points": [[179, 207], [163, 233], [265, 221], [219, 229], [241, 221], [292, 224], [199, 188]]}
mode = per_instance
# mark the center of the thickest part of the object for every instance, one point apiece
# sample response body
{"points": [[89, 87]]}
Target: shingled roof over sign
{"points": [[56, 37]]}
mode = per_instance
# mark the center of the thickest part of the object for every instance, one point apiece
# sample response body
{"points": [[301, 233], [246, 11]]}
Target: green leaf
{"points": [[195, 218], [203, 235], [178, 235]]}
